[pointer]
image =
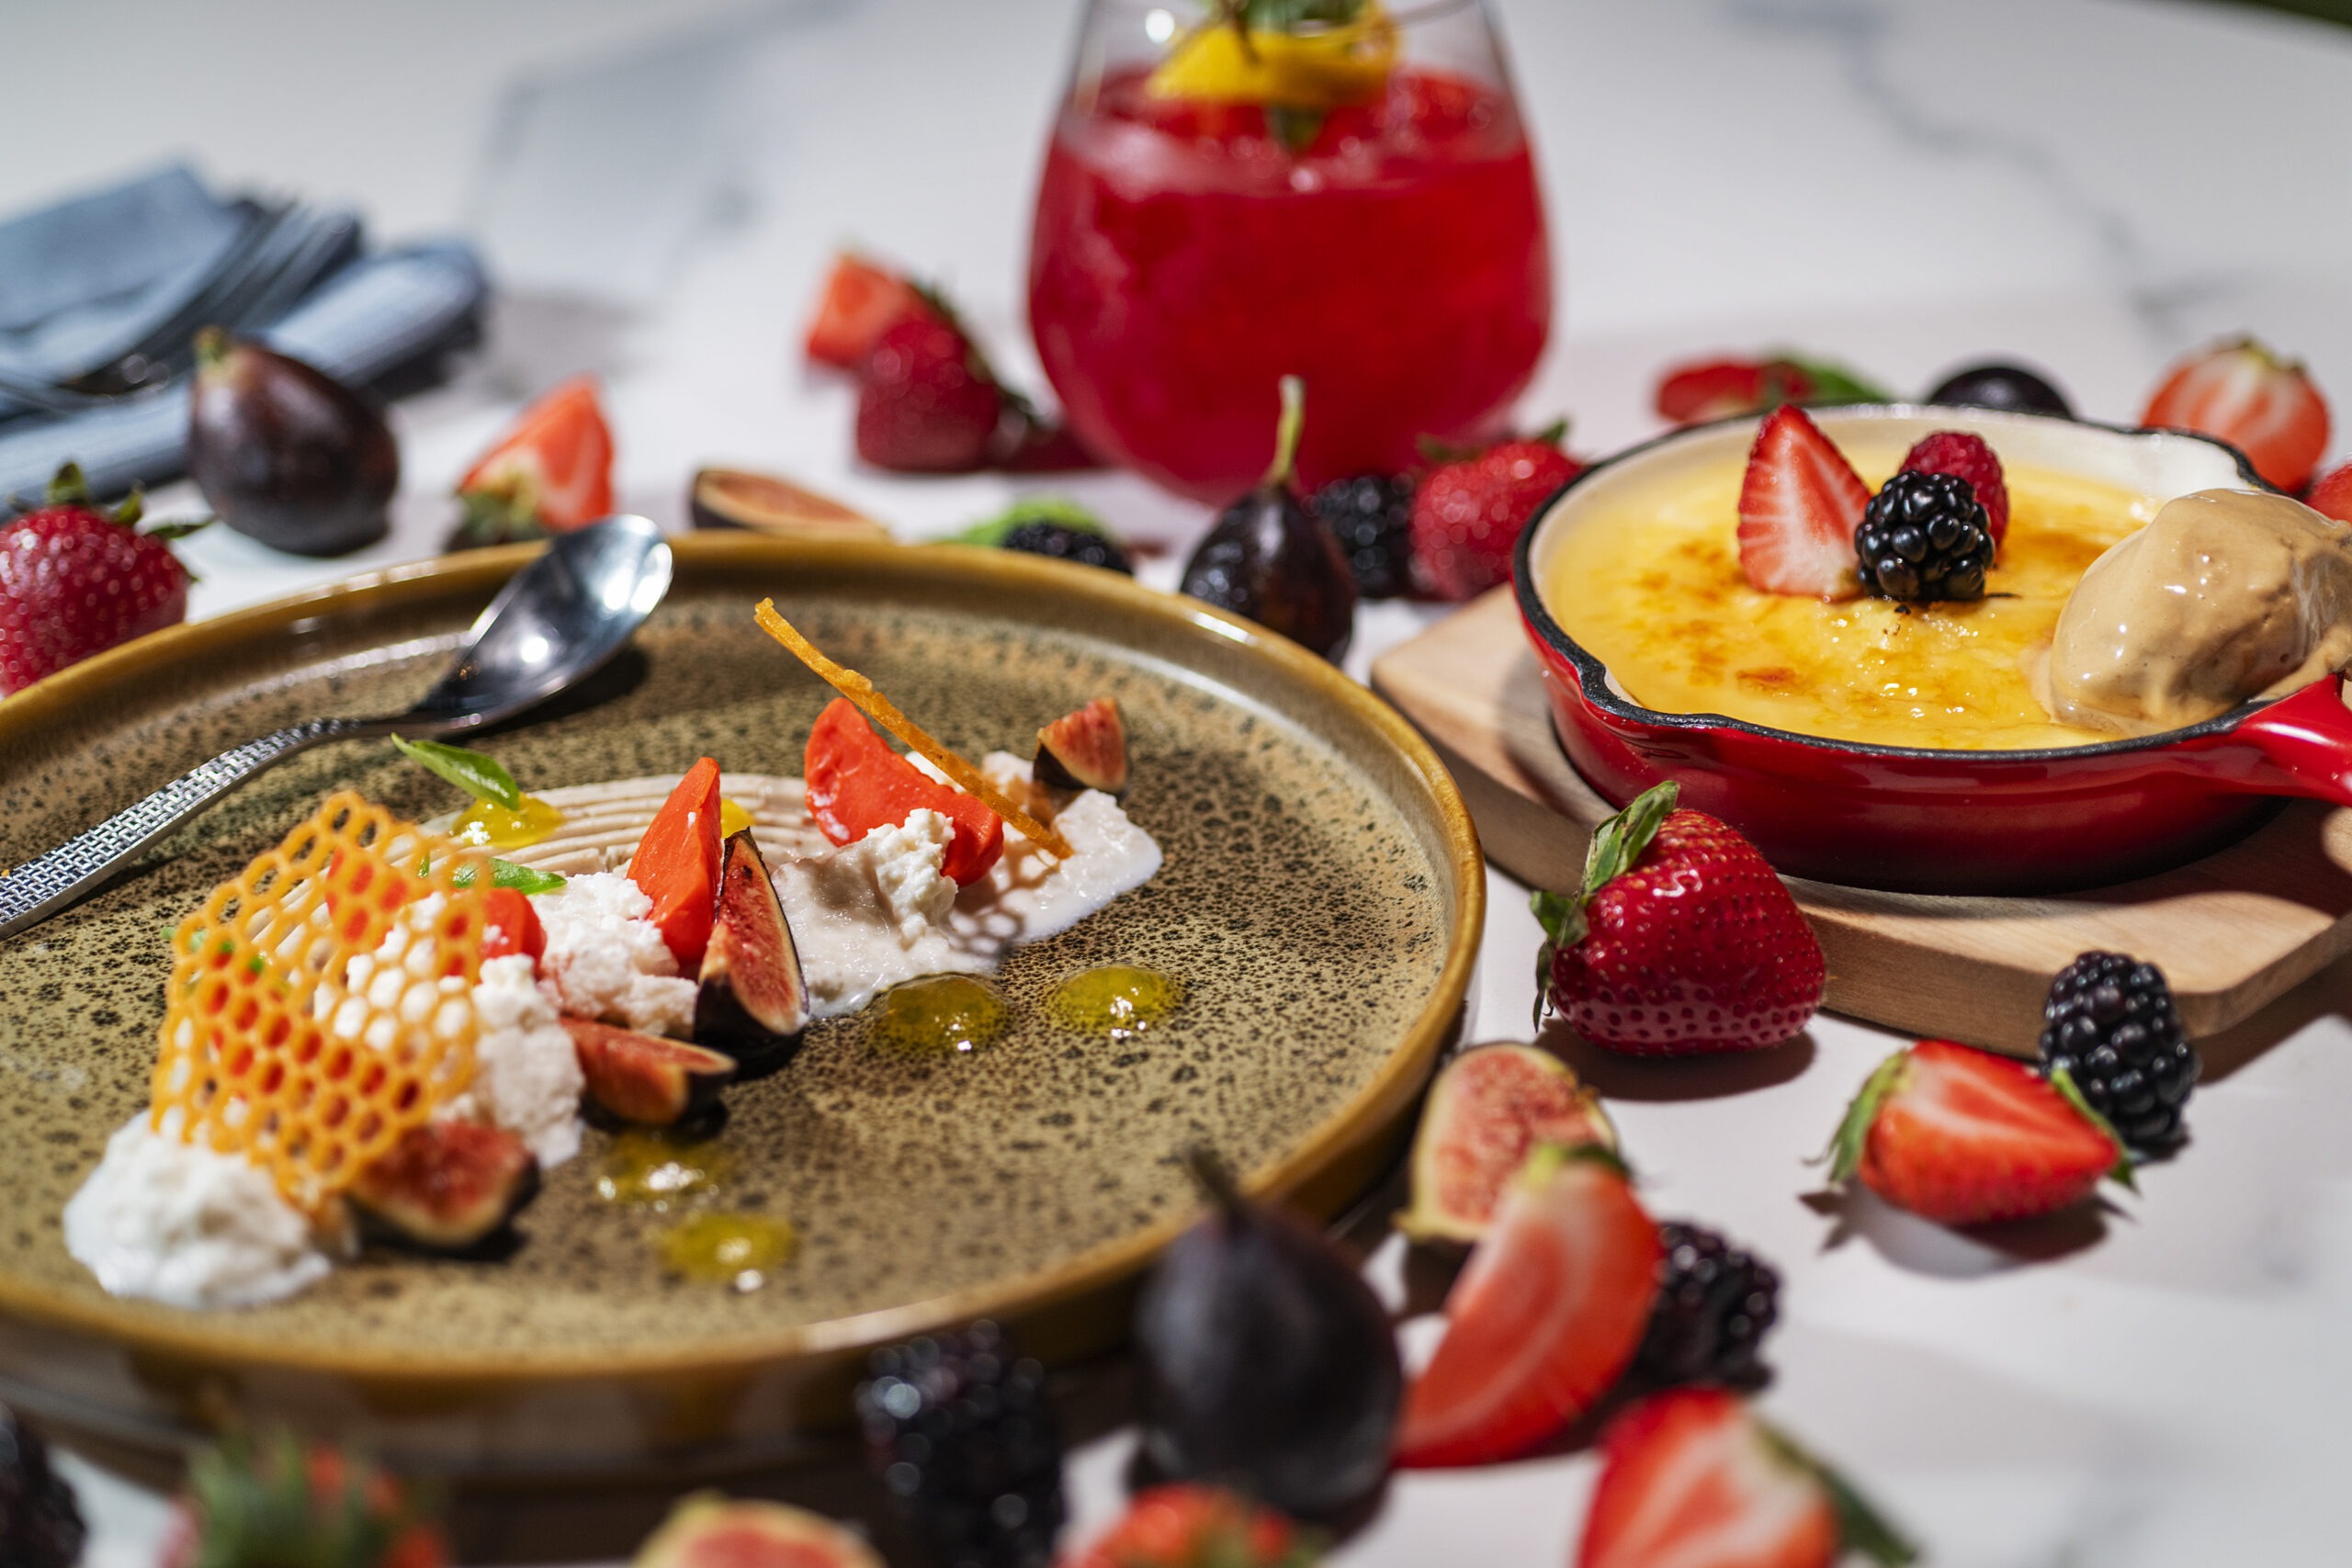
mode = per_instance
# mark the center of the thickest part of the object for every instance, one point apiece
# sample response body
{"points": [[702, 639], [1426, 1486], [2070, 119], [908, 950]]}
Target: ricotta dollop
{"points": [[526, 1074], [604, 960]]}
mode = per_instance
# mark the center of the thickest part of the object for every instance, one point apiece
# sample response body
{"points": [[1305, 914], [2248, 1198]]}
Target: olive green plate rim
{"points": [[992, 577]]}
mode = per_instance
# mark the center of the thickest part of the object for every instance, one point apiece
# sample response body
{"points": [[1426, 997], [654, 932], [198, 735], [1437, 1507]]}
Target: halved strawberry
{"points": [[1957, 453], [2331, 496], [1799, 505], [1188, 1526], [1691, 1478], [2263, 405], [1694, 392], [1545, 1317], [860, 301], [511, 926], [1962, 1136], [550, 473]]}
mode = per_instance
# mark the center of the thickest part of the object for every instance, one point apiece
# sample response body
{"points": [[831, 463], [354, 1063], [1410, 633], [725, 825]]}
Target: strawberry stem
{"points": [[1618, 843], [1286, 429], [1846, 1145]]}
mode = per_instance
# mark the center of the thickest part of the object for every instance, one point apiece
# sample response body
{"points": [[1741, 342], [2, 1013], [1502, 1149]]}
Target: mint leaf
{"points": [[480, 776]]}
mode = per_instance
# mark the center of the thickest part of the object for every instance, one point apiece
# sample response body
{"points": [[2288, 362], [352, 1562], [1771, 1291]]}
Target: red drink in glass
{"points": [[1185, 259]]}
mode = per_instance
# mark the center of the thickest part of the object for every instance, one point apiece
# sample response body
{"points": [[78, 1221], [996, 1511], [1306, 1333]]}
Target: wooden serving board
{"points": [[2231, 931]]}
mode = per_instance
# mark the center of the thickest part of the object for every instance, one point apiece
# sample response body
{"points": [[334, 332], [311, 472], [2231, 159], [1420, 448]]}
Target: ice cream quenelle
{"points": [[2226, 595]]}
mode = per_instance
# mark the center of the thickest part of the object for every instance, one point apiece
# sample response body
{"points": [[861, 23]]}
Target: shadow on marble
{"points": [[1620, 1077], [1922, 1247]]}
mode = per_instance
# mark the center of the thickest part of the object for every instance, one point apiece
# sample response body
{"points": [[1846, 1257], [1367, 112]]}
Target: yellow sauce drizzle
{"points": [[733, 818], [1118, 1000], [939, 1015], [657, 1169], [732, 1249], [492, 826]]}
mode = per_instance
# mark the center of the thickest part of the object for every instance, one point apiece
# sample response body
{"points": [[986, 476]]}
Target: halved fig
{"points": [[1489, 1107], [645, 1078], [708, 1530], [446, 1187], [1086, 749], [752, 1004], [736, 497]]}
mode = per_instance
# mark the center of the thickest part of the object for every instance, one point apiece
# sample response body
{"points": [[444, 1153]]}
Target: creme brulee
{"points": [[1649, 582]]}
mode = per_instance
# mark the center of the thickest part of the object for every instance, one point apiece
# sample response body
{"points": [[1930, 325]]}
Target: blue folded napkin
{"points": [[85, 280]]}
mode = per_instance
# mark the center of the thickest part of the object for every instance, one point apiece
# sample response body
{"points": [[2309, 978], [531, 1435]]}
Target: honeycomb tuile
{"points": [[276, 1047]]}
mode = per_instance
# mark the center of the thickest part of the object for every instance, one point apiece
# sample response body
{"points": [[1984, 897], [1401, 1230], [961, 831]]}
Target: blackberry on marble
{"points": [[1715, 1303], [40, 1525], [2110, 1022]]}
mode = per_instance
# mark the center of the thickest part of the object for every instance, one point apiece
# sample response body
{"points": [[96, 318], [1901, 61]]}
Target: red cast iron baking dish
{"points": [[1943, 821]]}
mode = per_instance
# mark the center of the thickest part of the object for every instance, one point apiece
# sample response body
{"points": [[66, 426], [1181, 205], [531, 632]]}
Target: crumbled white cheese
{"points": [[604, 960], [188, 1226], [526, 1075]]}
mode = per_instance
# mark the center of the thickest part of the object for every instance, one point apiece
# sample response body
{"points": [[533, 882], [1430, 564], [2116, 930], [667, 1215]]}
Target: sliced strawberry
{"points": [[1187, 1526], [860, 301], [550, 473], [1962, 1136], [1713, 388], [1549, 1312], [2263, 405], [1692, 1479], [1799, 505], [1957, 453], [511, 926], [2332, 495], [676, 864]]}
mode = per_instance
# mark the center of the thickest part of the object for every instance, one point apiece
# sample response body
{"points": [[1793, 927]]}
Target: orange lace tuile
{"points": [[293, 1036]]}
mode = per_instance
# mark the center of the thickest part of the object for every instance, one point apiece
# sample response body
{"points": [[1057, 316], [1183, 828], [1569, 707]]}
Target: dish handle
{"points": [[2306, 743]]}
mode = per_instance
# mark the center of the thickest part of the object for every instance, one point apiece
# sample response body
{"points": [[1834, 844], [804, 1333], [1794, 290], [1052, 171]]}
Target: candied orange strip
{"points": [[884, 712], [318, 1009]]}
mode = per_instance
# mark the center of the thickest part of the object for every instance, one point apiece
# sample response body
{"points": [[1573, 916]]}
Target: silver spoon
{"points": [[554, 622]]}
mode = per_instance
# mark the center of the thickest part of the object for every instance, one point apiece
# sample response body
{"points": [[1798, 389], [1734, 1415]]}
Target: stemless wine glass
{"points": [[1350, 200]]}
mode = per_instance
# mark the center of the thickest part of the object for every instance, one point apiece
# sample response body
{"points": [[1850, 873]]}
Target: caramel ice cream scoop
{"points": [[2227, 594]]}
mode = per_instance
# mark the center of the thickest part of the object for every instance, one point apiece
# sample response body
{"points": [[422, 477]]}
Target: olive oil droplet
{"points": [[939, 1015], [736, 1250], [1117, 1000], [657, 1169], [493, 827]]}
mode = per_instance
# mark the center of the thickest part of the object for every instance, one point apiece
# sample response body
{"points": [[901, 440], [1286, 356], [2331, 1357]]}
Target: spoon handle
{"points": [[48, 883]]}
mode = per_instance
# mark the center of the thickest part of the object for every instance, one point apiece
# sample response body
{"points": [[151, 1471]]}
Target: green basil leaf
{"points": [[480, 776]]}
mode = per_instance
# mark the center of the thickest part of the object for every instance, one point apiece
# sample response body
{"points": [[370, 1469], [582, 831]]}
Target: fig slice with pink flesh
{"points": [[446, 1187], [1490, 1107], [1085, 750], [753, 1003], [708, 1530], [645, 1078]]}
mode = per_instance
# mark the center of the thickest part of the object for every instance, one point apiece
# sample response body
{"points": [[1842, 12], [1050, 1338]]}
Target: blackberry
{"points": [[960, 1430], [1373, 516], [1063, 542], [2110, 1022], [1924, 536], [1715, 1303], [40, 1526]]}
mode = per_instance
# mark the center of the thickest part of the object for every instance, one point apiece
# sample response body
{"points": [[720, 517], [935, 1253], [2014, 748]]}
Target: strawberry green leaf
{"points": [[480, 776], [991, 532], [1846, 1145], [1438, 452], [1618, 843], [69, 487], [1860, 1526], [1553, 434], [2072, 1092], [1830, 383], [180, 528], [1562, 918]]}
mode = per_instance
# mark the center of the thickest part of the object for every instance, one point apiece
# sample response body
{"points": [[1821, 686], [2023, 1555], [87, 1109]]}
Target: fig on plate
{"points": [[286, 453], [645, 1078], [1488, 1109], [1265, 1361], [1268, 558], [752, 1004], [737, 498], [708, 1530], [1086, 749], [446, 1187]]}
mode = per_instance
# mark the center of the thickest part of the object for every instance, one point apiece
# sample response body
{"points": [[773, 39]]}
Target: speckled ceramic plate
{"points": [[1322, 900]]}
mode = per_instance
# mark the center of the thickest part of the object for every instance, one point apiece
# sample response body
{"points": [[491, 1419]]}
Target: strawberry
{"points": [[1547, 1315], [288, 1504], [1187, 1526], [927, 401], [1698, 391], [76, 580], [1693, 1479], [1966, 456], [1962, 1136], [2331, 495], [860, 300], [1799, 505], [2259, 403], [1468, 513], [552, 472], [511, 927], [1681, 942]]}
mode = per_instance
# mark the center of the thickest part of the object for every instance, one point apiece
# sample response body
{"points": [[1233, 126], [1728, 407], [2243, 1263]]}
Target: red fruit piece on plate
{"points": [[1966, 456], [1468, 514], [511, 927], [2265, 406], [1694, 392], [76, 580], [1546, 1315], [676, 864], [1682, 940], [550, 473], [1691, 1478], [857, 783], [1488, 1109], [1800, 502], [927, 401], [1962, 1136], [1189, 1526], [2331, 496], [860, 301]]}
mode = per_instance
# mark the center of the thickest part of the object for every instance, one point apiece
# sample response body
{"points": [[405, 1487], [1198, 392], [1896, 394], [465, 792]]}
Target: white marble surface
{"points": [[2093, 183]]}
